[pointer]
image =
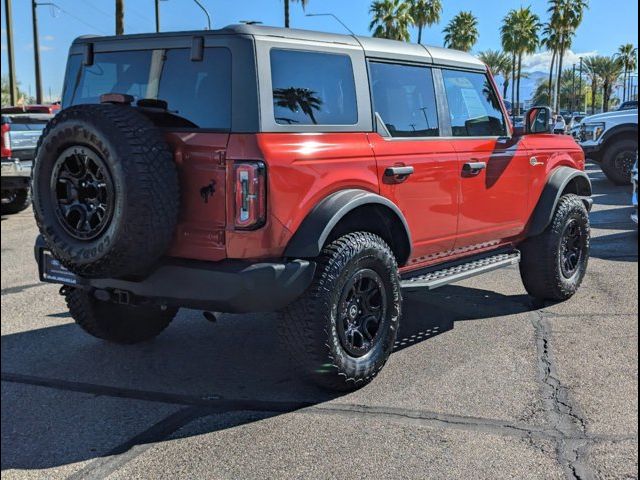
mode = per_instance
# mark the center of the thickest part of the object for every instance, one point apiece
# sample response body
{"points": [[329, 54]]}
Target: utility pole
{"points": [[119, 17], [157, 16], [580, 89], [13, 90], [36, 50], [573, 88]]}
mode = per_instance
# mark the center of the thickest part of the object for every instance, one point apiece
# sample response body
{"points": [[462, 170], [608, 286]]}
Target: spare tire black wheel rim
{"points": [[83, 193], [572, 248], [362, 312]]}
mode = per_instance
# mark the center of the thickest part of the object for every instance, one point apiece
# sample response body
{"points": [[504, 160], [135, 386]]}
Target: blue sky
{"points": [[607, 24]]}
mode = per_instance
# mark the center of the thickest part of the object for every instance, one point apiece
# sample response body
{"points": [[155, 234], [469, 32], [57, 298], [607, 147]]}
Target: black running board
{"points": [[445, 274]]}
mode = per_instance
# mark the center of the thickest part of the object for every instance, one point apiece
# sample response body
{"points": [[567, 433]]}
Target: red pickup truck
{"points": [[261, 169]]}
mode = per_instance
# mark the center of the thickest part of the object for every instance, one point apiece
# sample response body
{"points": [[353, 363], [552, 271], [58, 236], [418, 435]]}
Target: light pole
{"points": [[335, 17], [36, 51], [205, 12], [580, 89], [13, 93], [157, 2]]}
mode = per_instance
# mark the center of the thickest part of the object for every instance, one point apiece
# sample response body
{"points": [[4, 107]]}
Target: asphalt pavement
{"points": [[485, 382]]}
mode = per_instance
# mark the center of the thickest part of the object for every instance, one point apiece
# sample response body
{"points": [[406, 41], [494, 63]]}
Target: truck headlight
{"points": [[592, 131]]}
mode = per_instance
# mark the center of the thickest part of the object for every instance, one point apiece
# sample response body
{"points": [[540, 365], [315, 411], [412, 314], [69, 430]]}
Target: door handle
{"points": [[473, 168], [399, 173]]}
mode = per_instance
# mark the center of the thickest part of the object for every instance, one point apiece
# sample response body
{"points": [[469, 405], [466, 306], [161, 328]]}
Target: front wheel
{"points": [[117, 323], [554, 263], [618, 161], [343, 329]]}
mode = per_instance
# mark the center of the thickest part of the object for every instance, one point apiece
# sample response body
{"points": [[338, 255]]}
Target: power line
{"points": [[78, 19]]}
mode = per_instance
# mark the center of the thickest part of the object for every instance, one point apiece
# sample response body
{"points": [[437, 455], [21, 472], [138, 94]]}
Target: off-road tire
{"points": [[308, 327], [117, 323], [617, 175], [21, 199], [144, 180], [540, 267]]}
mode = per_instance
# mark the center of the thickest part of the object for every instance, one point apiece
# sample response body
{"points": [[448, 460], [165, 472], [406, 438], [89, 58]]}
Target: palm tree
{"points": [[520, 37], [628, 54], [591, 65], [462, 32], [609, 70], [551, 41], [298, 99], [119, 17], [566, 17], [391, 19], [287, 10], [500, 64], [567, 84], [425, 13]]}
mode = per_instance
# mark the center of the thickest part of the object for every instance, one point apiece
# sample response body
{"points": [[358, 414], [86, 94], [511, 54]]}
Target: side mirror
{"points": [[539, 120]]}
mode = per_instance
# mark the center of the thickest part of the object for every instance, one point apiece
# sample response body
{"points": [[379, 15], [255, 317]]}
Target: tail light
{"points": [[250, 191], [6, 140]]}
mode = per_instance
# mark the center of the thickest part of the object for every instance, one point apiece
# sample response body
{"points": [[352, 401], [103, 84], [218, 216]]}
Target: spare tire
{"points": [[105, 190]]}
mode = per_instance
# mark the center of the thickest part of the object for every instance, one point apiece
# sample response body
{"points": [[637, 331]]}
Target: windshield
{"points": [[198, 93]]}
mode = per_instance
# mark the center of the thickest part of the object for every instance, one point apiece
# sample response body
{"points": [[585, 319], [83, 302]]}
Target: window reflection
{"points": [[404, 98], [311, 88]]}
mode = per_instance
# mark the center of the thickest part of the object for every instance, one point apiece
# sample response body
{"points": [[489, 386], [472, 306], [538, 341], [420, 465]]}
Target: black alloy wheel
{"points": [[83, 193], [362, 312]]}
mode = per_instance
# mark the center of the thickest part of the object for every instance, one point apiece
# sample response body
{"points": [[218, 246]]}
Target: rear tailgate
{"points": [[200, 158], [25, 130]]}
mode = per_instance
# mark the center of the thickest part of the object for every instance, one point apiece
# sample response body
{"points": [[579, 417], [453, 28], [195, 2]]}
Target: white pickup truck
{"points": [[20, 134], [611, 139]]}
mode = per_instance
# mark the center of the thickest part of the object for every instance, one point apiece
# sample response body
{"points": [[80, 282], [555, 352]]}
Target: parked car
{"points": [[560, 127], [264, 169], [634, 198], [20, 134], [34, 108], [611, 139], [630, 105]]}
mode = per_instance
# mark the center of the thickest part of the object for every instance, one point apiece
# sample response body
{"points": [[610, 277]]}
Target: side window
{"points": [[311, 88], [404, 97], [473, 105]]}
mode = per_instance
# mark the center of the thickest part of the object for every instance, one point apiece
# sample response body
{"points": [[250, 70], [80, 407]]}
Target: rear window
{"points": [[198, 94], [311, 88]]}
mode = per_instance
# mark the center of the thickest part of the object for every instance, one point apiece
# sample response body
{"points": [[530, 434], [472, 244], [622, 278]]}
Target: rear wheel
{"points": [[15, 201], [342, 331], [117, 323], [554, 263], [618, 161]]}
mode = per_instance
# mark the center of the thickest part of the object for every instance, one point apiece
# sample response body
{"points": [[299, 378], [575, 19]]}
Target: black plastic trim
{"points": [[558, 181], [312, 234], [620, 130], [227, 286]]}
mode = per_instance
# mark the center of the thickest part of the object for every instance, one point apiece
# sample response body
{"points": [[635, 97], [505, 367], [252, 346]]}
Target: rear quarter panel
{"points": [[302, 169]]}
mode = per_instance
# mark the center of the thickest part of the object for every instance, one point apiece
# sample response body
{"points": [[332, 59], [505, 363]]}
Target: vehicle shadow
{"points": [[89, 391]]}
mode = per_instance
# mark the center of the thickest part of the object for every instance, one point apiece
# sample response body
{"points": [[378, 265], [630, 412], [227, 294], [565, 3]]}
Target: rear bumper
{"points": [[16, 175], [229, 286]]}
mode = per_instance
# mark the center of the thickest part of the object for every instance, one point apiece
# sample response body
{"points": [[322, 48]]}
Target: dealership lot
{"points": [[484, 382]]}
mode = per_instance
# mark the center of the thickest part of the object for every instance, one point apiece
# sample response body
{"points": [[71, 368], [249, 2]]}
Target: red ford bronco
{"points": [[255, 169]]}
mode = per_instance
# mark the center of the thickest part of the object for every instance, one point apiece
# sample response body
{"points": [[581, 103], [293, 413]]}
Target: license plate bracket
{"points": [[52, 271]]}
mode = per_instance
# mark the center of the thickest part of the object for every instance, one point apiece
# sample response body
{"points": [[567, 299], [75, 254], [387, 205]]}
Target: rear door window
{"points": [[404, 97], [474, 106], [198, 94], [313, 88]]}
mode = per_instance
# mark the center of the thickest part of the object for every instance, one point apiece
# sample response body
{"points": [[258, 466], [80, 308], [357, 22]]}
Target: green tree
{"points": [[566, 17], [6, 95], [628, 54], [500, 64], [541, 94], [591, 65], [462, 32], [287, 10], [551, 41], [609, 70], [519, 34], [391, 19], [425, 13]]}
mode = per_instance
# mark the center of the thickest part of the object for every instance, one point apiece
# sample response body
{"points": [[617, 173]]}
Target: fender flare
{"points": [[551, 194], [314, 230], [625, 128]]}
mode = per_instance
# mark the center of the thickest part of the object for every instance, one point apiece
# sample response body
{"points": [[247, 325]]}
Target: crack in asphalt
{"points": [[571, 442]]}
